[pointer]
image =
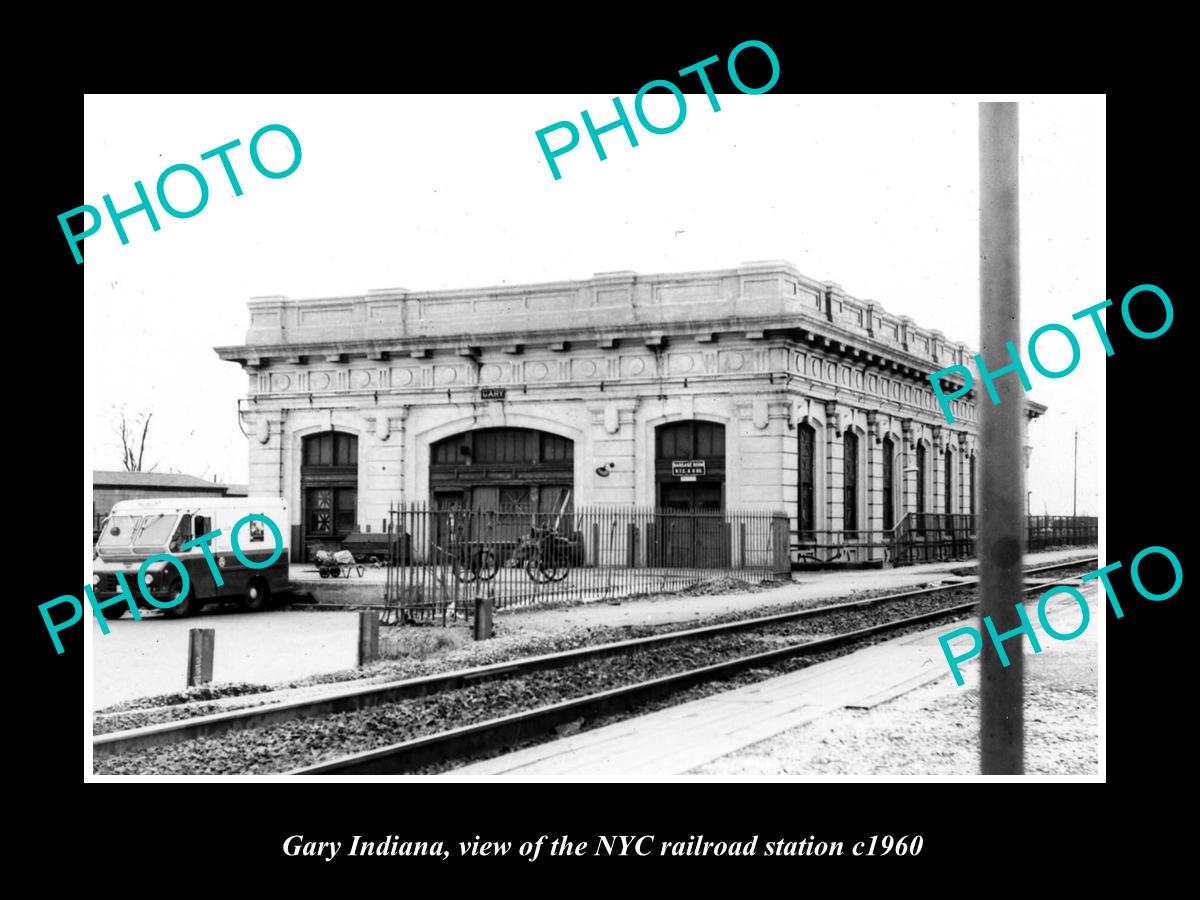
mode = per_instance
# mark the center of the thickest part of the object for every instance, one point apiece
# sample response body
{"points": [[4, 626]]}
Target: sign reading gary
{"points": [[684, 467]]}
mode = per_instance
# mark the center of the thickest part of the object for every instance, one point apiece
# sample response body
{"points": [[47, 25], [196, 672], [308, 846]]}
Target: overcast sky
{"points": [[877, 193]]}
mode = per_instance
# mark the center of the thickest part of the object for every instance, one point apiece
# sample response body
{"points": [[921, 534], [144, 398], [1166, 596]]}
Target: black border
{"points": [[1145, 506]]}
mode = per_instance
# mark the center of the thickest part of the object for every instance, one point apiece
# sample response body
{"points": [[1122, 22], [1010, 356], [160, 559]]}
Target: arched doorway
{"points": [[689, 474], [689, 466], [515, 470], [329, 489]]}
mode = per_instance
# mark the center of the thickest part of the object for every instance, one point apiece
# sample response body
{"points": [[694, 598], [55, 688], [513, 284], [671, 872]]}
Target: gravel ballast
{"points": [[288, 745]]}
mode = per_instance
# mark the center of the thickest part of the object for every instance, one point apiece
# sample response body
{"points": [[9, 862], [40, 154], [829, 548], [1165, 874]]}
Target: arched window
{"points": [[850, 483], [331, 448], [689, 465], [808, 445], [921, 477], [510, 470], [949, 478], [329, 481], [889, 462], [974, 487], [692, 439]]}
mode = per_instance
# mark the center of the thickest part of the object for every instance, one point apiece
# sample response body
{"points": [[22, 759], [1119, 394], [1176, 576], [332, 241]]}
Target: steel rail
{"points": [[511, 730]]}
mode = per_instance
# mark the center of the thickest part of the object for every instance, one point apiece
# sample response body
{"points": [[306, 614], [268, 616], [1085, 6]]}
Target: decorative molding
{"points": [[833, 415], [761, 415], [612, 418]]}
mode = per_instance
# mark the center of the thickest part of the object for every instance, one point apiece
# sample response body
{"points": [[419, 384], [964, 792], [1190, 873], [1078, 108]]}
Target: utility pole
{"points": [[1002, 526]]}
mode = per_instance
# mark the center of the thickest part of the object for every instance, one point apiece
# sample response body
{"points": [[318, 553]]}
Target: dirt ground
{"points": [[934, 729]]}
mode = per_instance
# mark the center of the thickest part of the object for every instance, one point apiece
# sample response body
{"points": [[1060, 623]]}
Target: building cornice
{"points": [[754, 298]]}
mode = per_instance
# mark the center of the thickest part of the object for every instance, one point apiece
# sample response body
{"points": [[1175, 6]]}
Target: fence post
{"points": [[368, 636], [781, 564], [483, 618], [201, 642], [741, 545]]}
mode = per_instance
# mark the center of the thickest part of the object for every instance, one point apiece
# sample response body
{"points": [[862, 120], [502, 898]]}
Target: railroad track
{"points": [[512, 729]]}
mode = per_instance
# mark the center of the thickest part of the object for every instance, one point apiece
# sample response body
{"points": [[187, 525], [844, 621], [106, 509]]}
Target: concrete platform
{"points": [[680, 739], [148, 657]]}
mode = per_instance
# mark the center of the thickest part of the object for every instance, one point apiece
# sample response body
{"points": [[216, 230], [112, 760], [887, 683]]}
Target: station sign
{"points": [[493, 393], [687, 469]]}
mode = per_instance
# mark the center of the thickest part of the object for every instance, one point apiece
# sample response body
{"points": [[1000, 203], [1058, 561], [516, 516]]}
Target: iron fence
{"points": [[1042, 532], [930, 537], [816, 547], [440, 560]]}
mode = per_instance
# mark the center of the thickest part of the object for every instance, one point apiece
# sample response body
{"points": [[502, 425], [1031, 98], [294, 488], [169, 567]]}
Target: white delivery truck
{"points": [[136, 530]]}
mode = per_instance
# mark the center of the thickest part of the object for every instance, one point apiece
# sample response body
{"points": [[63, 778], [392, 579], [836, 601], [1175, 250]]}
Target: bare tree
{"points": [[133, 445]]}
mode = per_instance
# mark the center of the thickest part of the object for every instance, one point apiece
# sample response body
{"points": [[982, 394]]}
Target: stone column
{"points": [[789, 462], [937, 463], [964, 476], [833, 473], [908, 458], [266, 435], [874, 486], [613, 448], [381, 479], [762, 433]]}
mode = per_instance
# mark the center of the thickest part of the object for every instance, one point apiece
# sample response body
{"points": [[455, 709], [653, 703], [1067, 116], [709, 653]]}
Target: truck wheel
{"points": [[258, 595], [185, 607]]}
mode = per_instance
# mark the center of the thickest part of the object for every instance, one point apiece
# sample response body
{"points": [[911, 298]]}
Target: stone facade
{"points": [[760, 349]]}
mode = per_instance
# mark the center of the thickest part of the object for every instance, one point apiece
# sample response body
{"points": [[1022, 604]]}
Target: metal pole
{"points": [[1001, 531]]}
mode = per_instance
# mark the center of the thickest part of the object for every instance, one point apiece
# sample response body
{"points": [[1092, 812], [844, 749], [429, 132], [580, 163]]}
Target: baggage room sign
{"points": [[687, 469]]}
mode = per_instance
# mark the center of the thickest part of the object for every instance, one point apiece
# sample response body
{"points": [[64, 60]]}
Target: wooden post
{"points": [[368, 636], [781, 558], [1002, 490], [483, 618], [201, 642]]}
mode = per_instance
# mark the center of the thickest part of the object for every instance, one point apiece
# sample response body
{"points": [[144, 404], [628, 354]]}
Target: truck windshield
{"points": [[155, 530], [123, 526], [137, 531]]}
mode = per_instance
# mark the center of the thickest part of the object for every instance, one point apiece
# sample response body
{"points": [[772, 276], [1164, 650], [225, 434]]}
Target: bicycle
{"points": [[545, 554], [469, 561]]}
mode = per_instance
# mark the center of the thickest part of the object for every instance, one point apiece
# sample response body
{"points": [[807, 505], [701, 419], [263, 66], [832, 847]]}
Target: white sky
{"points": [[877, 193]]}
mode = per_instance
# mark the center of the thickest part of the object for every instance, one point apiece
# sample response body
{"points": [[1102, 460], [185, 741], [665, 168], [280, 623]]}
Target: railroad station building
{"points": [[753, 388]]}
